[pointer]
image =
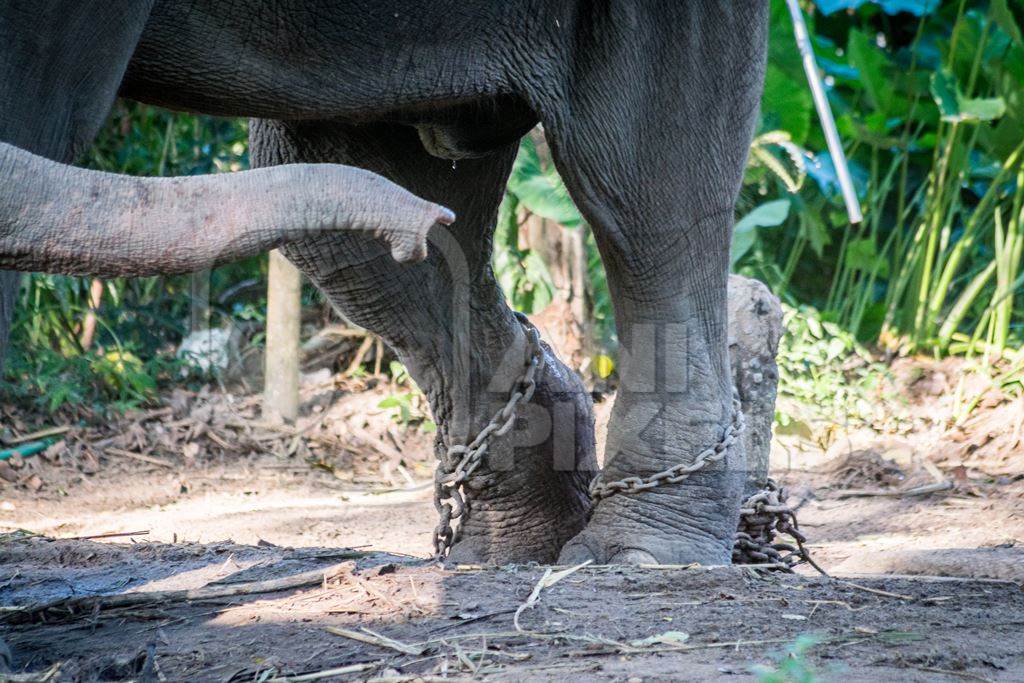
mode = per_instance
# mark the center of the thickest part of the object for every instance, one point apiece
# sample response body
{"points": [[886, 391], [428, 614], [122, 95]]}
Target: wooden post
{"points": [[199, 293], [281, 366]]}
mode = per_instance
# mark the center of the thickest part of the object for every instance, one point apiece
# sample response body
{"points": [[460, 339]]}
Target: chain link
{"points": [[460, 461], [763, 517], [677, 473]]}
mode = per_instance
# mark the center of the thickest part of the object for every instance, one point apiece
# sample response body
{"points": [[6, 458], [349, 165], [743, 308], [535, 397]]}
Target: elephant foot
{"points": [[633, 531], [693, 521], [526, 501]]}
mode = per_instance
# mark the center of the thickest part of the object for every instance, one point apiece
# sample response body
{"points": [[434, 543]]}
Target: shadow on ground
{"points": [[402, 618]]}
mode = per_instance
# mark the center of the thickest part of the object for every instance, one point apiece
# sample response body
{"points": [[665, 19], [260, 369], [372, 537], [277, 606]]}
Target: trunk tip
{"points": [[446, 217]]}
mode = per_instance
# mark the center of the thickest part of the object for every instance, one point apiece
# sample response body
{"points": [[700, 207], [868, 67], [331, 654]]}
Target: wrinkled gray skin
{"points": [[63, 219], [648, 108], [58, 218]]}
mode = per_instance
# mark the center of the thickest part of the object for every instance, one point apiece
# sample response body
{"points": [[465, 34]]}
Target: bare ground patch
{"points": [[396, 618], [222, 498]]}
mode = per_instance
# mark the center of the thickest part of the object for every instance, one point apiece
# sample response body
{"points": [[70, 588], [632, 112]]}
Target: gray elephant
{"points": [[648, 107]]}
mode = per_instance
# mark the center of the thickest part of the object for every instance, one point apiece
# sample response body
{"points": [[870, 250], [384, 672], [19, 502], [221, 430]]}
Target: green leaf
{"points": [[767, 215], [982, 108], [953, 106], [814, 230], [863, 256], [541, 190], [786, 105]]}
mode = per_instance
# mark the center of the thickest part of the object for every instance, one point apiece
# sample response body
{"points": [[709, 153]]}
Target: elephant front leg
{"points": [[670, 489], [652, 145], [448, 322]]}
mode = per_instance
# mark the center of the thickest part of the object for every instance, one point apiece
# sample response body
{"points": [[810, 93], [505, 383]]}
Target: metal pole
{"points": [[828, 123]]}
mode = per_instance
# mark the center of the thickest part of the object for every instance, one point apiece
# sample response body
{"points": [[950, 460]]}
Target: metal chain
{"points": [[460, 461], [763, 517], [676, 473]]}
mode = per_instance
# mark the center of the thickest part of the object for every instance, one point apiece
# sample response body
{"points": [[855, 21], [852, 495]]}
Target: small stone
{"points": [[7, 472]]}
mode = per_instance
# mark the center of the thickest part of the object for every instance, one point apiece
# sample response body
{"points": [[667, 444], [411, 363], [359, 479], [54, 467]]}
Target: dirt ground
{"points": [[921, 527]]}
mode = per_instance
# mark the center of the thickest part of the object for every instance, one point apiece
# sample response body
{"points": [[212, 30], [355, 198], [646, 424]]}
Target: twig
{"points": [[898, 493], [50, 431], [112, 534], [959, 674], [875, 591], [90, 603], [472, 620], [377, 639], [361, 352], [376, 444], [326, 673], [938, 579], [139, 456], [549, 579]]}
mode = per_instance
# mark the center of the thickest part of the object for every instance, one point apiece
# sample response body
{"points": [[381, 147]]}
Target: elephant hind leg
{"points": [[447, 320]]}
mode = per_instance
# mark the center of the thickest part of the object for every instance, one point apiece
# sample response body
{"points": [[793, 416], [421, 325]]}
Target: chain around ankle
{"points": [[676, 473]]}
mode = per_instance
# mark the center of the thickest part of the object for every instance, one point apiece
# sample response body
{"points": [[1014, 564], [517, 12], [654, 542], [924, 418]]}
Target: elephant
{"points": [[648, 107]]}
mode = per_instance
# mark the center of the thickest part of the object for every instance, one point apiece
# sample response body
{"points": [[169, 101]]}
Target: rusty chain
{"points": [[460, 461], [676, 473], [763, 517]]}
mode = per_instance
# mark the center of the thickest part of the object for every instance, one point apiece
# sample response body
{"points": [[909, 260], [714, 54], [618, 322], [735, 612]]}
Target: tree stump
{"points": [[755, 327]]}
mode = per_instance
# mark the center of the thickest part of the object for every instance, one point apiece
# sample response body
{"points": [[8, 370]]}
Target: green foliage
{"points": [[409, 407], [768, 215], [538, 188], [791, 666], [825, 369], [929, 98], [139, 320], [535, 188]]}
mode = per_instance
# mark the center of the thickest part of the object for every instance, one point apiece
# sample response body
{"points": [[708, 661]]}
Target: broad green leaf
{"points": [[982, 108], [540, 190], [953, 106], [767, 215], [944, 93]]}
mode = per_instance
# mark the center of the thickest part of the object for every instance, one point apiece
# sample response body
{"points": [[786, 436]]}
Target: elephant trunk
{"points": [[61, 219]]}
